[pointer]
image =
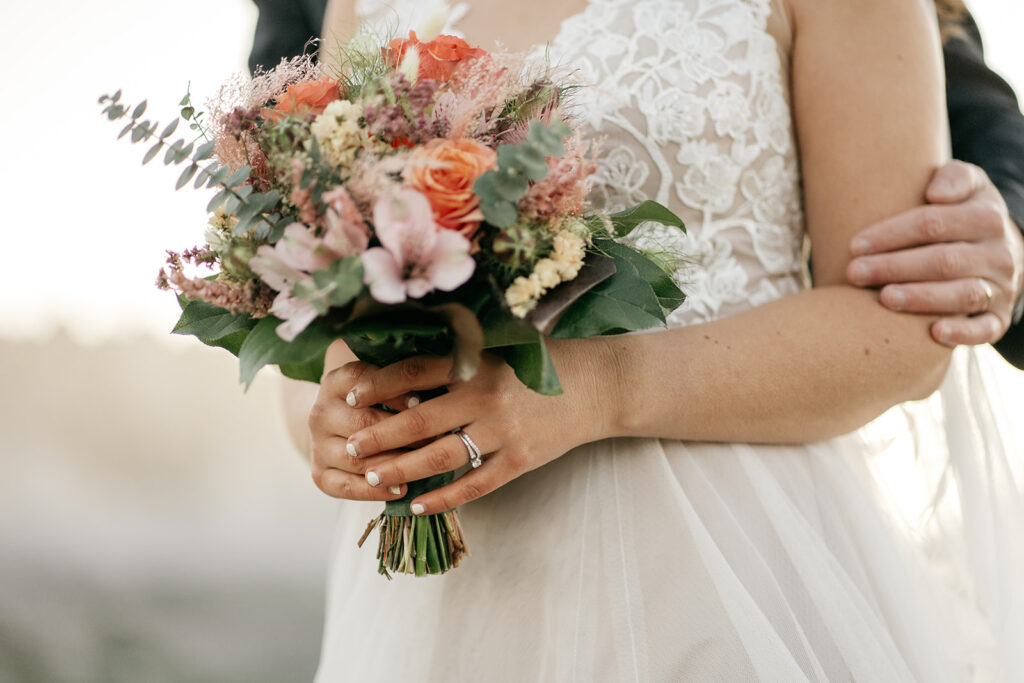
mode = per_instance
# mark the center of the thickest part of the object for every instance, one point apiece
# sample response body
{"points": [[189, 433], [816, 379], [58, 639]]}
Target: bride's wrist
{"points": [[593, 374]]}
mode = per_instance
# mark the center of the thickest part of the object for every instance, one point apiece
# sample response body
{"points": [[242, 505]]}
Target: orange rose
{"points": [[438, 59], [444, 172], [304, 99]]}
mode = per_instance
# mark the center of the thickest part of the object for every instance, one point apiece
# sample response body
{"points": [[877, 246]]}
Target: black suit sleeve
{"points": [[987, 130], [284, 29]]}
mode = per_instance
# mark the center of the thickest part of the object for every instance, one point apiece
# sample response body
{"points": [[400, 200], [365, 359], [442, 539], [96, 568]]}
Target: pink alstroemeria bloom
{"points": [[285, 264], [347, 233], [417, 256]]}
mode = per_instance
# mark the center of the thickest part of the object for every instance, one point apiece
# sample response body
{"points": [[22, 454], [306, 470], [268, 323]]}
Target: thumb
{"points": [[953, 183]]}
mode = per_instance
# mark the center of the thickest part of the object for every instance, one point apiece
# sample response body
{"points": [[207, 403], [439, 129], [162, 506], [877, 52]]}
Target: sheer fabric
{"points": [[895, 553]]}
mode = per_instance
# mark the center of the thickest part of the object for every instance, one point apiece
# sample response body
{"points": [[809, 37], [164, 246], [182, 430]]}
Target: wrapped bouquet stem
{"points": [[430, 198]]}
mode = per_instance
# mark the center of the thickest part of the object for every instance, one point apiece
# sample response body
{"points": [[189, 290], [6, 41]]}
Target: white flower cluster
{"points": [[338, 133], [562, 265]]}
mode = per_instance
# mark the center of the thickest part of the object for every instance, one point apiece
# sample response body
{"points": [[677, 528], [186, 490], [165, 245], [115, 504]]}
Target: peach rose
{"points": [[438, 59], [444, 172], [304, 99]]}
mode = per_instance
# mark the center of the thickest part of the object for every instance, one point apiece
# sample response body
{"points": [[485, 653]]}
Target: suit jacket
{"points": [[284, 29], [988, 130], [985, 122]]}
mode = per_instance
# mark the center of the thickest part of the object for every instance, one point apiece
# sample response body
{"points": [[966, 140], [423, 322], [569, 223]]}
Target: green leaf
{"points": [[499, 214], [171, 127], [115, 111], [626, 221], [153, 151], [139, 110], [347, 277], [263, 347], [138, 132], [218, 201], [116, 96], [187, 112], [203, 175], [205, 151], [510, 184], [186, 176], [127, 129], [232, 342], [239, 176], [531, 160], [533, 366], [218, 176], [185, 100], [304, 372], [670, 297], [172, 151], [209, 322], [548, 138], [625, 302]]}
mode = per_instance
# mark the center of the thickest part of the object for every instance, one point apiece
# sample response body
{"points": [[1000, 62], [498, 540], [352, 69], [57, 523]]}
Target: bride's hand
{"points": [[332, 420], [515, 428]]}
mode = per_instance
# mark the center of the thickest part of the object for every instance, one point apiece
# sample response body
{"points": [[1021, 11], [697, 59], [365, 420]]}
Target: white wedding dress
{"points": [[895, 553]]}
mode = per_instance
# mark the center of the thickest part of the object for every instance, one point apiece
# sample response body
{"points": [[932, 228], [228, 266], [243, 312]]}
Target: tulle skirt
{"points": [[895, 553]]}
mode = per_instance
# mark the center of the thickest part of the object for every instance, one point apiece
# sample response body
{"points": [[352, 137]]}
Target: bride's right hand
{"points": [[331, 421]]}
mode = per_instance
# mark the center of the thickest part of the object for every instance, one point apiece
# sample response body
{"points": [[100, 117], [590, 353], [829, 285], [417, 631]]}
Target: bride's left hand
{"points": [[515, 428]]}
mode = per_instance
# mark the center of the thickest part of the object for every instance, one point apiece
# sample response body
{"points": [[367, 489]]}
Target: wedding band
{"points": [[988, 294], [475, 456]]}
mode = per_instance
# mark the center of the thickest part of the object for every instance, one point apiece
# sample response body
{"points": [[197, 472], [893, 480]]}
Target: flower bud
{"points": [[515, 246]]}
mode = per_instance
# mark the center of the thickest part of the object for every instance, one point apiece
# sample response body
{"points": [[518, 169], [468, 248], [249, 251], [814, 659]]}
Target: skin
{"points": [[929, 259], [810, 366]]}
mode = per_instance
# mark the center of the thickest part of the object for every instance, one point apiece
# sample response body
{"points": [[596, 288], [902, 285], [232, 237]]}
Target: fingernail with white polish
{"points": [[412, 401], [351, 399], [396, 490], [372, 478], [352, 449], [418, 509]]}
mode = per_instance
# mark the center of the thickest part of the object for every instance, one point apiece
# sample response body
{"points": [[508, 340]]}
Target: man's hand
{"points": [[938, 258]]}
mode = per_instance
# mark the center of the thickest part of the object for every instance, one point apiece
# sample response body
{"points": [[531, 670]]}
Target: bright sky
{"points": [[84, 225]]}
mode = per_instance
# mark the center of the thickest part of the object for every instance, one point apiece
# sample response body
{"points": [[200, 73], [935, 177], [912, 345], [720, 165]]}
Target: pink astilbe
{"points": [[482, 86], [374, 177], [240, 91], [564, 191], [346, 233], [302, 198], [252, 297]]}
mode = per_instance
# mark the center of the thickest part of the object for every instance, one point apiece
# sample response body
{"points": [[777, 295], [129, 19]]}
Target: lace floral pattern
{"points": [[688, 97]]}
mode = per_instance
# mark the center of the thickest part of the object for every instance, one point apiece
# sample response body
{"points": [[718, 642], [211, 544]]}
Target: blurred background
{"points": [[156, 523]]}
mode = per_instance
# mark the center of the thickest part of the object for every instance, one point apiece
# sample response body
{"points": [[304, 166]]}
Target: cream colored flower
{"points": [[338, 133], [569, 252], [522, 295], [546, 274]]}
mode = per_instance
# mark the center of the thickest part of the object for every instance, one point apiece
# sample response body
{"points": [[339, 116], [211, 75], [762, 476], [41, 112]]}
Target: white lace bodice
{"points": [[690, 99]]}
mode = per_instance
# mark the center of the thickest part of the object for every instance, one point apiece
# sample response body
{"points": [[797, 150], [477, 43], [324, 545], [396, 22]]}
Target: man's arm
{"points": [[284, 29], [987, 129], [962, 256]]}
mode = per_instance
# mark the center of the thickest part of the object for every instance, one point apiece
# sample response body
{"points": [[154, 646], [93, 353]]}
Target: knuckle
{"points": [[317, 414], [441, 459], [363, 419], [974, 296], [471, 491], [932, 225], [417, 423], [948, 263], [989, 217], [413, 368]]}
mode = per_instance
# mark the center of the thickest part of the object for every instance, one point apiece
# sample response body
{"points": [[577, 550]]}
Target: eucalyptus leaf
{"points": [[127, 129], [138, 132], [205, 151], [153, 151], [218, 176], [218, 201], [139, 110], [169, 130], [187, 112], [239, 176], [500, 214], [171, 154], [204, 174], [186, 176]]}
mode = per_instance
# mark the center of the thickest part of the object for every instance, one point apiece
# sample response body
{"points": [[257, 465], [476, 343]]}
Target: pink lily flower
{"points": [[416, 256], [346, 232]]}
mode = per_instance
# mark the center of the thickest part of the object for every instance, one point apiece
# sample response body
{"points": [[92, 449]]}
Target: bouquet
{"points": [[428, 198]]}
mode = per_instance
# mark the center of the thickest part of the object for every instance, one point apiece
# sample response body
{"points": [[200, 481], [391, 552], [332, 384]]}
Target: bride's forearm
{"points": [[806, 367]]}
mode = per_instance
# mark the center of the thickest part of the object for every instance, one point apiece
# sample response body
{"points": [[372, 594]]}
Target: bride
{"points": [[734, 498]]}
